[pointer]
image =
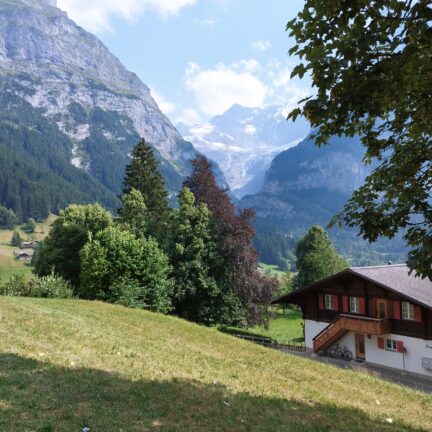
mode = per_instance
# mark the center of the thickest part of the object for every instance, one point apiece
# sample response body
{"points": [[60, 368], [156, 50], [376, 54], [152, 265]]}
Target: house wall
{"points": [[416, 349]]}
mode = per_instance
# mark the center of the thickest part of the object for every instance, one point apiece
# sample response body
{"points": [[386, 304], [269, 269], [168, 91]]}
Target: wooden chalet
{"points": [[382, 314]]}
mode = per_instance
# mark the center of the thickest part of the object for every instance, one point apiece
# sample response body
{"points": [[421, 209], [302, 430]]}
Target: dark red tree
{"points": [[237, 268]]}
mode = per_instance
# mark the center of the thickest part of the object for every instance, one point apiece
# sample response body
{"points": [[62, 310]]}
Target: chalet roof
{"points": [[395, 278]]}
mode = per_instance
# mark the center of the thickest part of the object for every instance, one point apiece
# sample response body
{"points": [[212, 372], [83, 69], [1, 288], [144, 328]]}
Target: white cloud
{"points": [[262, 45], [95, 15], [209, 22], [189, 117], [216, 90], [165, 106]]}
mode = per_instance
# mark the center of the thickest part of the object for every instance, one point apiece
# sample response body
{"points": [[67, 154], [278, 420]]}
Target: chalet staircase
{"points": [[343, 324]]}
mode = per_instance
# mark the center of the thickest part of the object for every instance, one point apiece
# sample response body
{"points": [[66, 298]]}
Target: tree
{"points": [[197, 296], [71, 230], [31, 225], [316, 257], [16, 239], [133, 213], [371, 64], [8, 220], [143, 175], [237, 267], [120, 268]]}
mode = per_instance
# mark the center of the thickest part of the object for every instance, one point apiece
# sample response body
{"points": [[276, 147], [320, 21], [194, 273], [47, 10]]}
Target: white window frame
{"points": [[391, 345], [328, 302], [354, 305], [408, 311]]}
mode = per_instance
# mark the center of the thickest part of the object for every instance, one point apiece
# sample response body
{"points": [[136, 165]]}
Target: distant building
{"points": [[24, 256], [29, 245], [382, 314]]}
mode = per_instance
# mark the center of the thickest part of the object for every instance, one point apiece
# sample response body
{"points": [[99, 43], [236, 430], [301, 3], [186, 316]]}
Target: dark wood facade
{"points": [[371, 294]]}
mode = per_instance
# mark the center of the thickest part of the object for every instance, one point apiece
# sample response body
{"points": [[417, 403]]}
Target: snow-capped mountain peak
{"points": [[244, 141]]}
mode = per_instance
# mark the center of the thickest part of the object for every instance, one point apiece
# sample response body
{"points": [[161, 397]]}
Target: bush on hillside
{"points": [[118, 267], [51, 286], [16, 239]]}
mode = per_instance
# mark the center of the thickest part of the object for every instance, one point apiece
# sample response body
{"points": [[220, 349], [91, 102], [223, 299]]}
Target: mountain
{"points": [[244, 141], [70, 113], [307, 185]]}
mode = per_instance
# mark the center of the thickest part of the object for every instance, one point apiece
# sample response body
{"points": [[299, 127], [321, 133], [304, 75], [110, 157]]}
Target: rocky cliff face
{"points": [[59, 68], [306, 184]]}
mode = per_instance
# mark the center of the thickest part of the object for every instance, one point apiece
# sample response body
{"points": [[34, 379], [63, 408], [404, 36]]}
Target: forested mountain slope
{"points": [[308, 185], [71, 113]]}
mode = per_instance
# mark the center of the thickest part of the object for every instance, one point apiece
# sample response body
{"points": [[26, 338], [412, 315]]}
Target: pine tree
{"points": [[316, 257], [143, 175], [16, 239]]}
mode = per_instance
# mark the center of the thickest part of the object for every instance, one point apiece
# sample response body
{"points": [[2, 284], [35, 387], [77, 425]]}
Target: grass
{"points": [[9, 266], [285, 327], [69, 364], [273, 270]]}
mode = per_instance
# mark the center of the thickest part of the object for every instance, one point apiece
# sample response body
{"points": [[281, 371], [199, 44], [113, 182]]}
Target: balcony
{"points": [[346, 323]]}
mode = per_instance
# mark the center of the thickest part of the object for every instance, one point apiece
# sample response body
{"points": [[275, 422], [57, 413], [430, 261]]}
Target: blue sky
{"points": [[200, 56]]}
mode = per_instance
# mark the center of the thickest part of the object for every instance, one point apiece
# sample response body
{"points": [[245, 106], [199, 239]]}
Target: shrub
{"points": [[51, 286], [17, 286], [118, 267]]}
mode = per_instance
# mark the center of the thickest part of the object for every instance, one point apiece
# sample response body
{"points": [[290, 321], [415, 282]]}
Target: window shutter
{"points": [[396, 310], [335, 302], [345, 304], [362, 305], [417, 313], [400, 346], [381, 343], [321, 301]]}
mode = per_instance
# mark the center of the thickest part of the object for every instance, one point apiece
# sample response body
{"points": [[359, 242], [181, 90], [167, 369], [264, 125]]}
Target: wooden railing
{"points": [[345, 323], [271, 343]]}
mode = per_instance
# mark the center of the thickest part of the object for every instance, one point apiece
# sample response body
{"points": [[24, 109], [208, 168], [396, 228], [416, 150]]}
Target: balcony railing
{"points": [[345, 323]]}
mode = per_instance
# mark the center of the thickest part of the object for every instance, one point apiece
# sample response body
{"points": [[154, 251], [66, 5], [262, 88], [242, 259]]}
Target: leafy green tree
{"points": [[8, 219], [316, 257], [143, 175], [371, 65], [236, 269], [197, 296], [16, 239], [60, 252], [133, 213], [120, 268], [287, 282], [31, 225]]}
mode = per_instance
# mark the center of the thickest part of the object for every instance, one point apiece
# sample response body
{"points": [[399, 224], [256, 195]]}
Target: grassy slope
{"points": [[68, 364], [8, 264], [284, 328]]}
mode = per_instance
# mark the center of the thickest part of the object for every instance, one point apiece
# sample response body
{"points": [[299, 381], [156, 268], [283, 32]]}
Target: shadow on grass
{"points": [[37, 396], [237, 331]]}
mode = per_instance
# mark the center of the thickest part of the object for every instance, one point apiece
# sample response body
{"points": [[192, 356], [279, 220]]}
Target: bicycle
{"points": [[341, 352]]}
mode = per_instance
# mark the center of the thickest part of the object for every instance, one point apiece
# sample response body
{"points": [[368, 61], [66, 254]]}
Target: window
{"points": [[407, 311], [391, 345], [355, 304], [328, 301]]}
